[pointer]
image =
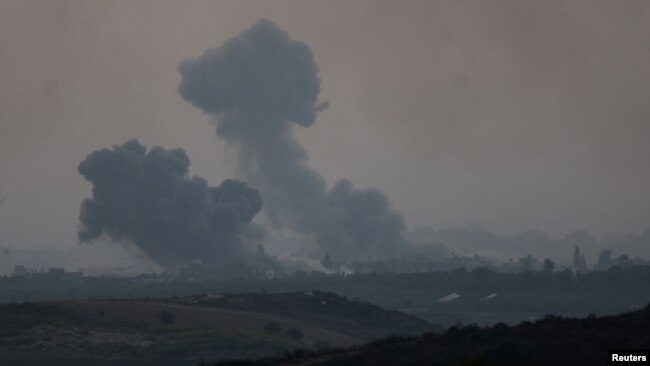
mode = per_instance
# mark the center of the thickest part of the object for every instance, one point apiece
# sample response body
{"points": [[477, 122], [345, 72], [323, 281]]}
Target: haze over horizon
{"points": [[512, 115]]}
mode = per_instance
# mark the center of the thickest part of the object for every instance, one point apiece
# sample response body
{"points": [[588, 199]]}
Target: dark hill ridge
{"points": [[550, 341]]}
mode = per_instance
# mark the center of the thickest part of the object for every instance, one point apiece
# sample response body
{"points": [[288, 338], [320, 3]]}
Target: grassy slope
{"points": [[205, 327]]}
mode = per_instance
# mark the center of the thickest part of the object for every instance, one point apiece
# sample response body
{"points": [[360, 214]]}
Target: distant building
{"points": [[20, 271], [199, 271], [54, 273]]}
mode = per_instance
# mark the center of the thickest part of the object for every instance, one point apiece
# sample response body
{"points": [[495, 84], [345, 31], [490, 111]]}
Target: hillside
{"points": [[187, 330], [358, 319], [551, 341]]}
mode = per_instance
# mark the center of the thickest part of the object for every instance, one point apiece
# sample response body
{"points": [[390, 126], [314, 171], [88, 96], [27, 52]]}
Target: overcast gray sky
{"points": [[512, 114]]}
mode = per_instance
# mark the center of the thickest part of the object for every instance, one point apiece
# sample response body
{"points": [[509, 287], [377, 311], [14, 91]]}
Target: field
{"points": [[192, 329]]}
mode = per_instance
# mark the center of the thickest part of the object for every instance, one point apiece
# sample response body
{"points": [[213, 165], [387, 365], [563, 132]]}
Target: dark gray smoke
{"points": [[147, 197], [257, 85]]}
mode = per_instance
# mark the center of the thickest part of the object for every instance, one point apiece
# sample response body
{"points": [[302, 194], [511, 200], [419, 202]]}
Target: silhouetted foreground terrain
{"points": [[187, 330], [553, 340]]}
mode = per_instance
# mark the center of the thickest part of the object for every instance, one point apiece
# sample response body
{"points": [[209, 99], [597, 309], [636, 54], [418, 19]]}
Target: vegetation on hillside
{"points": [[553, 340], [187, 330]]}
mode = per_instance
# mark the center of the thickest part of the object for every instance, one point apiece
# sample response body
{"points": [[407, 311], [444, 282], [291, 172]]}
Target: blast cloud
{"points": [[147, 198], [257, 85]]}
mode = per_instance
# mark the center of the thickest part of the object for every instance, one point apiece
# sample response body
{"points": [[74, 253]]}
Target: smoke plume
{"points": [[258, 85], [147, 198]]}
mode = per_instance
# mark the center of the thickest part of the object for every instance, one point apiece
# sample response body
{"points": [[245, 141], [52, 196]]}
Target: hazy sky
{"points": [[513, 114]]}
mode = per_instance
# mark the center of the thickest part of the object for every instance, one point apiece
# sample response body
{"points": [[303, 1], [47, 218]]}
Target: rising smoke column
{"points": [[146, 197], [257, 85]]}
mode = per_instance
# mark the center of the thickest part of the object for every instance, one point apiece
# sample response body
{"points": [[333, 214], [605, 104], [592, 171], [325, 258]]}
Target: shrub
{"points": [[166, 317], [321, 345], [272, 327], [295, 333]]}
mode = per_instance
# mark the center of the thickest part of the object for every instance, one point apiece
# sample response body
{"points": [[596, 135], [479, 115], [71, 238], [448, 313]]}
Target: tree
{"points": [[327, 261], [605, 258], [623, 260], [549, 265], [576, 257], [579, 261], [527, 262]]}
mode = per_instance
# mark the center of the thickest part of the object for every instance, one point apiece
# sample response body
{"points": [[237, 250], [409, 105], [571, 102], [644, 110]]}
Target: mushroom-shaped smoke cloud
{"points": [[256, 85], [256, 82]]}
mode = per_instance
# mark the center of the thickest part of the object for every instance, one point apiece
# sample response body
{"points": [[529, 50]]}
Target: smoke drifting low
{"points": [[146, 197], [257, 85]]}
